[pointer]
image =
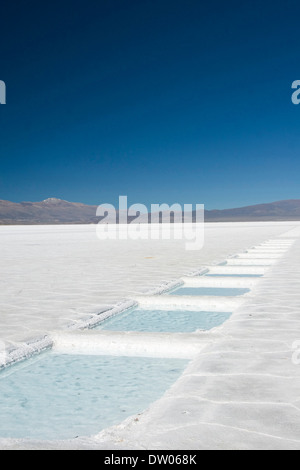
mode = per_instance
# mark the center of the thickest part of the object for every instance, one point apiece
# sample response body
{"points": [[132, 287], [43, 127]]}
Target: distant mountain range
{"points": [[57, 211], [276, 211]]}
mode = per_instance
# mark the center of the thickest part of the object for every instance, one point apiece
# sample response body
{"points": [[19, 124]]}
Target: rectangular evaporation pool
{"points": [[63, 396], [233, 275], [219, 291], [164, 321]]}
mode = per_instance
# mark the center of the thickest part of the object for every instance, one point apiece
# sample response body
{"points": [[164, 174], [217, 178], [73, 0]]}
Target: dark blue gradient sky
{"points": [[163, 101]]}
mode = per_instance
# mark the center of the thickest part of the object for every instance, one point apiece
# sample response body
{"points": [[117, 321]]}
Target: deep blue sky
{"points": [[164, 101]]}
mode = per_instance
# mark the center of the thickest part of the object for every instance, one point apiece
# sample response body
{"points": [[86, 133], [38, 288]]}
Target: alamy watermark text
{"points": [[164, 222], [2, 92], [296, 94]]}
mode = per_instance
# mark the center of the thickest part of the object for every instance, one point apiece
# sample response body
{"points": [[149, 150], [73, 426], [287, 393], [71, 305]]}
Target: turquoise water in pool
{"points": [[219, 291], [64, 396], [175, 321], [233, 275]]}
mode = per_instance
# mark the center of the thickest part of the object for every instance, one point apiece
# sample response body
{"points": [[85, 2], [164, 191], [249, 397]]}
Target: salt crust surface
{"points": [[53, 276], [239, 392]]}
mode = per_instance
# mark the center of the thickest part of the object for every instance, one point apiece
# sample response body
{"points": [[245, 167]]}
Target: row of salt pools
{"points": [[61, 396]]}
